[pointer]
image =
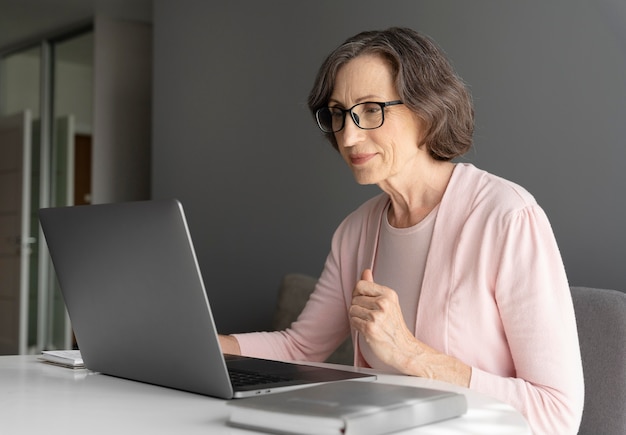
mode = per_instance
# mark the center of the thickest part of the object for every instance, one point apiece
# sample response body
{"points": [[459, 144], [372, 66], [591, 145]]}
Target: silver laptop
{"points": [[134, 293]]}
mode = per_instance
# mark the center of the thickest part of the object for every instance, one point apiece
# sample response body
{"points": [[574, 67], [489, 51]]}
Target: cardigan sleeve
{"points": [[535, 306]]}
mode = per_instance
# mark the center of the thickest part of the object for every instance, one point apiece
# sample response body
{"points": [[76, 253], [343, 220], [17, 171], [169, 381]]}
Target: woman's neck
{"points": [[412, 200]]}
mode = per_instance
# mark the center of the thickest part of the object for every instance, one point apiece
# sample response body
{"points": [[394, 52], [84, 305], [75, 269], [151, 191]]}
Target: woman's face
{"points": [[389, 152]]}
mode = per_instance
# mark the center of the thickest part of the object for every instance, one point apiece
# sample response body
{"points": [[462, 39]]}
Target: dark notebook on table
{"points": [[136, 299]]}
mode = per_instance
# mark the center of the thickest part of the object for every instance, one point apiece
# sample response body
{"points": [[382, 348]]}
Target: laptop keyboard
{"points": [[243, 378]]}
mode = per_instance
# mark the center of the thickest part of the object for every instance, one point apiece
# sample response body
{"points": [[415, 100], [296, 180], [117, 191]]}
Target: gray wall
{"points": [[122, 104], [263, 191]]}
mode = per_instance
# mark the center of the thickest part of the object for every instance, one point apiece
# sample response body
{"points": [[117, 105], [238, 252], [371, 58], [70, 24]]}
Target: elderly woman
{"points": [[451, 273]]}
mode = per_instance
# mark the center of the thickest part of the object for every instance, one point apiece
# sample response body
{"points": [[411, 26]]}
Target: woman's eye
{"points": [[336, 113], [372, 108]]}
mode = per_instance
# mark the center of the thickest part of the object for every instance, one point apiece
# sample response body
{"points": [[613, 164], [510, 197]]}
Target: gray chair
{"points": [[293, 294], [601, 319]]}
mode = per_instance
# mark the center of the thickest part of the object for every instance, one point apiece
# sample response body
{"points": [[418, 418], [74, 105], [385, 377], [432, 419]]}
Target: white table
{"points": [[40, 398]]}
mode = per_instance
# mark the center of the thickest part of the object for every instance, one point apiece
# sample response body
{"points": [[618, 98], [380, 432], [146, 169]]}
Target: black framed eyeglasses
{"points": [[367, 116]]}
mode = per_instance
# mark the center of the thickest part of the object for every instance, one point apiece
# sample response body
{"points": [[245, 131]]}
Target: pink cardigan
{"points": [[495, 295]]}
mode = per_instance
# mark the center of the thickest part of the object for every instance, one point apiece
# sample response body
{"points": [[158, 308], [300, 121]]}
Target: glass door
{"points": [[20, 80], [53, 81], [72, 90]]}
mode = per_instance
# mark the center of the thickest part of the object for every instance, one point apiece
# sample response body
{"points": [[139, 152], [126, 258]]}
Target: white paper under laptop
{"points": [[134, 293]]}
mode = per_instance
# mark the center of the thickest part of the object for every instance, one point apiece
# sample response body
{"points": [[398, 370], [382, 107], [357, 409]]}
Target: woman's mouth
{"points": [[361, 159]]}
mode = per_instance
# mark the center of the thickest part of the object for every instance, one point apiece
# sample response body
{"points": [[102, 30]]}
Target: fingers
{"points": [[367, 275], [369, 298], [372, 302], [366, 286]]}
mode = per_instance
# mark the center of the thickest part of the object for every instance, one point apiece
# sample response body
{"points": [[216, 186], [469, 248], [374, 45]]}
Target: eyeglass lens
{"points": [[365, 115]]}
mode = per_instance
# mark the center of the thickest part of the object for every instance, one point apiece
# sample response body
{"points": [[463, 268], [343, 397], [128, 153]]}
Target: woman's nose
{"points": [[351, 134]]}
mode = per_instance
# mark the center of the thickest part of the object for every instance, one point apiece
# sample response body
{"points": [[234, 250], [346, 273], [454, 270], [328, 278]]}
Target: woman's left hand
{"points": [[376, 314]]}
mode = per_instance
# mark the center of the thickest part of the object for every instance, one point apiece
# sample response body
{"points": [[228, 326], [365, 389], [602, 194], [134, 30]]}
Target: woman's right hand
{"points": [[229, 345]]}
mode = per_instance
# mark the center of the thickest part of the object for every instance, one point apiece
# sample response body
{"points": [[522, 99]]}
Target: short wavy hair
{"points": [[424, 80]]}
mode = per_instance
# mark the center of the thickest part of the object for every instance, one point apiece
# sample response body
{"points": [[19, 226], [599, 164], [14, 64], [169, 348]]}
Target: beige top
{"points": [[399, 264]]}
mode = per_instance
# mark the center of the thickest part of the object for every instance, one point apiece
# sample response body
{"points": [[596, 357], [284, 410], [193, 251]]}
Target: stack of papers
{"points": [[65, 358]]}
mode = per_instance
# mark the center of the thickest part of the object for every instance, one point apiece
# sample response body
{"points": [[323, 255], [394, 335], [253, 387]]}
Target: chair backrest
{"points": [[601, 319], [293, 295]]}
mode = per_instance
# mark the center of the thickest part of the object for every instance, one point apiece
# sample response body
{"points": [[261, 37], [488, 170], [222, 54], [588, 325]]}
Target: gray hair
{"points": [[424, 79]]}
